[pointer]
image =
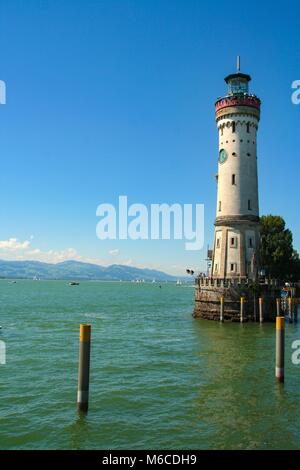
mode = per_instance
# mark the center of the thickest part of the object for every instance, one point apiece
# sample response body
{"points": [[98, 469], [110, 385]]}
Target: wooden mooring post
{"points": [[290, 309], [261, 309], [242, 310], [279, 368], [222, 308], [84, 367]]}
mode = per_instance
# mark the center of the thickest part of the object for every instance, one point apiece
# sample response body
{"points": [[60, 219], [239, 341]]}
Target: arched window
{"points": [[248, 127], [233, 126]]}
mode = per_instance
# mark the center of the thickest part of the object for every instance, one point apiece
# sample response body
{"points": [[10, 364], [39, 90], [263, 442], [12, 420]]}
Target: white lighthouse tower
{"points": [[231, 292], [236, 243]]}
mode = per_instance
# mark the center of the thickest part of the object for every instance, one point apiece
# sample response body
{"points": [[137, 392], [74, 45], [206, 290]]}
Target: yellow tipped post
{"points": [[261, 309], [242, 309], [290, 309], [84, 367], [279, 369], [222, 308]]}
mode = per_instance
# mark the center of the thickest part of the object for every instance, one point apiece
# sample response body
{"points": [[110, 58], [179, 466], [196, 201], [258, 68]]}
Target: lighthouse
{"points": [[236, 237], [233, 288]]}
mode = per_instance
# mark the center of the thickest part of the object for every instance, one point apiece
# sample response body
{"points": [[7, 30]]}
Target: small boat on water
{"points": [[12, 282], [73, 283]]}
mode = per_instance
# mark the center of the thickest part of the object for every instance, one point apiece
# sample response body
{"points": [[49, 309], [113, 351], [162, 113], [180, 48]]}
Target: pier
{"points": [[211, 295]]}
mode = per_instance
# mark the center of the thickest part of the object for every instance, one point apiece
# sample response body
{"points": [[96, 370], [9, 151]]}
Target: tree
{"points": [[277, 255]]}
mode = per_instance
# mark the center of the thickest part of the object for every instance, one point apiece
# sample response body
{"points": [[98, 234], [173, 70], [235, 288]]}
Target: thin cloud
{"points": [[115, 252], [12, 244], [14, 249]]}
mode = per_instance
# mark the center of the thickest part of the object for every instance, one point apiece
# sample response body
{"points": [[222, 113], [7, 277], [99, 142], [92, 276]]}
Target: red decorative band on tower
{"points": [[245, 100]]}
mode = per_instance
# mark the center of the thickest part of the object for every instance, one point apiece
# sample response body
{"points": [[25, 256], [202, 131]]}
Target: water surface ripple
{"points": [[159, 378]]}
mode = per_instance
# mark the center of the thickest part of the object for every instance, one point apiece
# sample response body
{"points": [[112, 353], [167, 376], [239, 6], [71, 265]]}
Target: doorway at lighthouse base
{"points": [[208, 294]]}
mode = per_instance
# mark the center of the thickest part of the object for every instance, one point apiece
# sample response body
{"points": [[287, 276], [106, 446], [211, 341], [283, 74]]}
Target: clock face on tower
{"points": [[222, 155]]}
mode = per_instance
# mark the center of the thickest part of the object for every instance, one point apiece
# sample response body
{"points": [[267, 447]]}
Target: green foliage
{"points": [[277, 254]]}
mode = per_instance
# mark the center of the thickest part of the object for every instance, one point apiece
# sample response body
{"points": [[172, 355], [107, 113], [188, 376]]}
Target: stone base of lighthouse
{"points": [[208, 293]]}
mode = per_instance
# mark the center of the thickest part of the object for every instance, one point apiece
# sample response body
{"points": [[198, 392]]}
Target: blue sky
{"points": [[106, 98]]}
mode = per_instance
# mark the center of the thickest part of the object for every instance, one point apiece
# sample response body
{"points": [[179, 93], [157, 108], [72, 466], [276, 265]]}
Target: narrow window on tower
{"points": [[232, 266], [216, 267], [220, 206], [233, 241], [218, 242], [249, 204], [233, 179], [233, 127], [250, 243], [221, 130], [248, 127]]}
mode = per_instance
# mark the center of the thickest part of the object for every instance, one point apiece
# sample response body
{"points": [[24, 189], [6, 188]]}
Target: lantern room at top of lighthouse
{"points": [[238, 83], [237, 94]]}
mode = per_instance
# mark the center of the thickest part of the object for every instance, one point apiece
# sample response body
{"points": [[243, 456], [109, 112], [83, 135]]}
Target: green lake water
{"points": [[159, 378]]}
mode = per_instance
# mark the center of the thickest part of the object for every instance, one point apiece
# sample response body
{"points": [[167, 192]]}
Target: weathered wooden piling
{"points": [[242, 309], [261, 309], [222, 308], [84, 367], [279, 369], [290, 309]]}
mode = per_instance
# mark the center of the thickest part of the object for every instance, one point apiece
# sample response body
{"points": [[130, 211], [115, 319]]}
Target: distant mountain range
{"points": [[75, 270]]}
